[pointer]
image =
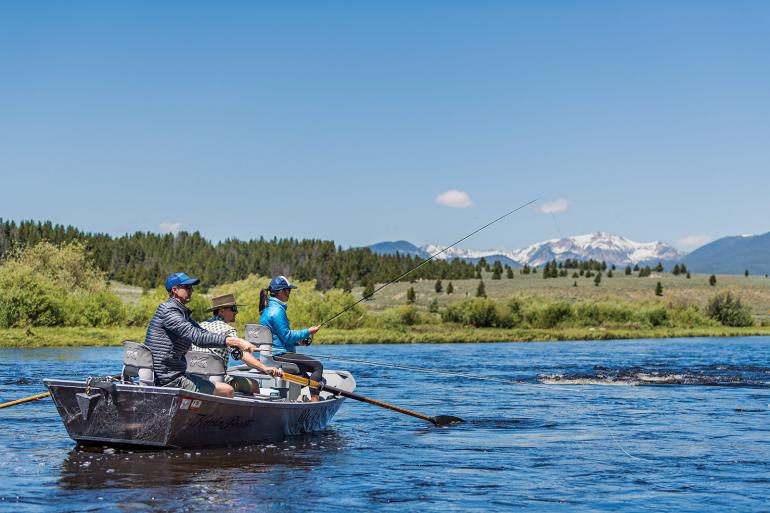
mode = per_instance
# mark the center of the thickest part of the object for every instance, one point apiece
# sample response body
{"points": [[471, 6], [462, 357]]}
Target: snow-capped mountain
{"points": [[599, 246]]}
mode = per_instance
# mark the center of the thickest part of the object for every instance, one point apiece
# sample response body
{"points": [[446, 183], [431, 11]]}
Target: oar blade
{"points": [[446, 420]]}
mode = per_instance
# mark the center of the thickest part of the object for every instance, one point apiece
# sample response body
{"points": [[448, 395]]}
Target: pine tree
{"points": [[713, 280], [450, 288], [438, 286], [677, 270], [509, 273], [688, 275], [483, 263], [478, 274], [574, 283], [609, 273], [411, 297], [369, 290], [658, 289], [575, 274], [480, 292], [598, 279], [433, 305], [746, 273], [658, 268], [628, 270], [636, 267], [497, 273]]}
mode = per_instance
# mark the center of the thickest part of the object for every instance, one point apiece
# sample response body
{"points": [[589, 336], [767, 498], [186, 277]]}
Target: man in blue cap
{"points": [[171, 334]]}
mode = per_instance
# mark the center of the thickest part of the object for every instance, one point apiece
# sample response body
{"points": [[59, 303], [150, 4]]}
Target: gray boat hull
{"points": [[126, 414]]}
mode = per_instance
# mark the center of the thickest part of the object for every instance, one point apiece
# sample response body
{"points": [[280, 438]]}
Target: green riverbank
{"points": [[83, 337]]}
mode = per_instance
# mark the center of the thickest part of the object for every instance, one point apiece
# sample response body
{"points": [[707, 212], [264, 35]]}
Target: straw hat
{"points": [[222, 302]]}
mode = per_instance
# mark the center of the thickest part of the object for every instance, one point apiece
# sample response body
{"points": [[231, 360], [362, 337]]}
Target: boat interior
{"points": [[138, 369]]}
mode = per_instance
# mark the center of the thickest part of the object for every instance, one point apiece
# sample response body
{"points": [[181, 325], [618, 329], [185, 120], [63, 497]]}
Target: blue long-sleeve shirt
{"points": [[284, 338]]}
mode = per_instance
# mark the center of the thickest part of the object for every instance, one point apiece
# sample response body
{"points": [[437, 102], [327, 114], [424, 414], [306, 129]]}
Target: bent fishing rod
{"points": [[365, 297]]}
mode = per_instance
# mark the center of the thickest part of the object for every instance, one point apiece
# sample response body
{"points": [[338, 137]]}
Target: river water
{"points": [[636, 425]]}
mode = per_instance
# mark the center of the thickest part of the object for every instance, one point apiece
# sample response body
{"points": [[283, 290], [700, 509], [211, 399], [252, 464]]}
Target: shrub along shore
{"points": [[53, 296]]}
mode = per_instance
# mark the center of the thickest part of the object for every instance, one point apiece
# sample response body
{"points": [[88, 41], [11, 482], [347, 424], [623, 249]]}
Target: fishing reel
{"points": [[308, 340], [236, 353]]}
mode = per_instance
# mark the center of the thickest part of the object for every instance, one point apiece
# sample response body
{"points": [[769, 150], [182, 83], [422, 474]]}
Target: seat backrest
{"points": [[260, 336], [206, 364], [137, 362]]}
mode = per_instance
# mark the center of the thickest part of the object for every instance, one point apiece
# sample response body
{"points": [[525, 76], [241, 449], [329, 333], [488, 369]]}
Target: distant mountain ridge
{"points": [[600, 246], [732, 255], [400, 246]]}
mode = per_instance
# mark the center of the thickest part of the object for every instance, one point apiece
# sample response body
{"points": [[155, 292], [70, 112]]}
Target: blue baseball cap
{"points": [[176, 279], [280, 283]]}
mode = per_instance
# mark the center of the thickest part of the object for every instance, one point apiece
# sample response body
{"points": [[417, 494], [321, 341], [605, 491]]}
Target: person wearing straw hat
{"points": [[225, 309], [272, 308]]}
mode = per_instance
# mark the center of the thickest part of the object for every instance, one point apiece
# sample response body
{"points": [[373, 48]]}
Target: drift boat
{"points": [[128, 410]]}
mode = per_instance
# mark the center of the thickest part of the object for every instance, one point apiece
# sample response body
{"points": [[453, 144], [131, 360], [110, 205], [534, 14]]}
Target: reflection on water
{"points": [[699, 442], [87, 468]]}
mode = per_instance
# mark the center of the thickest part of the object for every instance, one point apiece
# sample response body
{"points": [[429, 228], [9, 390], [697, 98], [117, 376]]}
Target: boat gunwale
{"points": [[182, 393]]}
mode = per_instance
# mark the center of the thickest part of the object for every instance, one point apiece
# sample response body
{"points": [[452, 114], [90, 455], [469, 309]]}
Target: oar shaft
{"points": [[25, 400], [314, 384]]}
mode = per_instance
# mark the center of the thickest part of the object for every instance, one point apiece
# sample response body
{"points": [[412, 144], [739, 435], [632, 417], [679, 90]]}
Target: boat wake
{"points": [[652, 375]]}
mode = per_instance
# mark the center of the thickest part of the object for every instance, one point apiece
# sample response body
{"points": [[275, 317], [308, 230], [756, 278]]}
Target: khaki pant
{"points": [[200, 384]]}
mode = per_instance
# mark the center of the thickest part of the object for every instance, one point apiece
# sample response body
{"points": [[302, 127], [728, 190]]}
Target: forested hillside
{"points": [[144, 258]]}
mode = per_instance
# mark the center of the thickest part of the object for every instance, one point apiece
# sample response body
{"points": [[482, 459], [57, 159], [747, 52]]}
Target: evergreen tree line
{"points": [[144, 259]]}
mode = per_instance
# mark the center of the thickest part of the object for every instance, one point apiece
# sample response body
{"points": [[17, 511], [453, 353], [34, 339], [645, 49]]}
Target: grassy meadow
{"points": [[382, 327], [753, 290]]}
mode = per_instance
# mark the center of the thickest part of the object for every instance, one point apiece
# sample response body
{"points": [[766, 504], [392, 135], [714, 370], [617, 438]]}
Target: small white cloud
{"points": [[554, 207], [167, 227], [455, 199], [693, 241]]}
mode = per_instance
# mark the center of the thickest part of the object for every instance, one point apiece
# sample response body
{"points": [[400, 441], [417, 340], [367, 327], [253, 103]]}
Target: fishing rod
{"points": [[426, 261]]}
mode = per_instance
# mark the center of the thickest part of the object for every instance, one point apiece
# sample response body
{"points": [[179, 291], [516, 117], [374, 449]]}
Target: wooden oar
{"points": [[25, 400], [438, 420]]}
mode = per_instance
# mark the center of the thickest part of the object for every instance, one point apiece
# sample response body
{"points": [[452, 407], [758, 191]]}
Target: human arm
{"points": [[279, 325], [253, 361], [243, 345], [180, 326], [309, 339]]}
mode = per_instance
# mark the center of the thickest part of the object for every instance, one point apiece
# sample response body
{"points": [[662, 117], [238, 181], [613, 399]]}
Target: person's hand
{"points": [[275, 372], [241, 344], [314, 330]]}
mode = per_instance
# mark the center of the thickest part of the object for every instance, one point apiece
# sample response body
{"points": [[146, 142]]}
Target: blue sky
{"points": [[347, 121]]}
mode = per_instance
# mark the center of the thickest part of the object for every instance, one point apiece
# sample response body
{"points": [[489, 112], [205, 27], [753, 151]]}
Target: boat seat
{"points": [[262, 337], [137, 363], [207, 365]]}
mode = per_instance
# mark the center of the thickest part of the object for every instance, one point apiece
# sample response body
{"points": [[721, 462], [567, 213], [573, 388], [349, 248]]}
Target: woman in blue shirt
{"points": [[272, 307]]}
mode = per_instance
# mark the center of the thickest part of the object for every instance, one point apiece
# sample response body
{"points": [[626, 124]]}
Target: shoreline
{"points": [[426, 334]]}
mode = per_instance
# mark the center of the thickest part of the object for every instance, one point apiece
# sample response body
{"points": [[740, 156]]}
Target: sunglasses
{"points": [[234, 309]]}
